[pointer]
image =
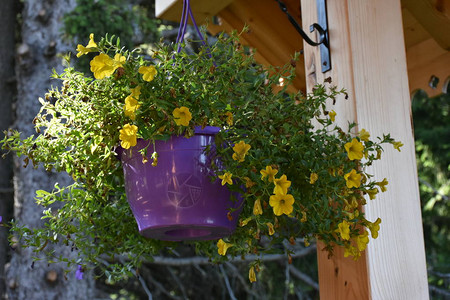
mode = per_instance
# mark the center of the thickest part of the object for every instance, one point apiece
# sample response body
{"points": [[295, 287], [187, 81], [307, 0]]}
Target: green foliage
{"points": [[81, 124], [432, 133], [431, 128], [117, 17], [108, 16]]}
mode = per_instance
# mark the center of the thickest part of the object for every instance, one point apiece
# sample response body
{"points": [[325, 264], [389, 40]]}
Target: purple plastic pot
{"points": [[176, 200]]}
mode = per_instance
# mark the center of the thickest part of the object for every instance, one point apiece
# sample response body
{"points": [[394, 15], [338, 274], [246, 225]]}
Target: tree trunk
{"points": [[7, 90], [36, 57]]}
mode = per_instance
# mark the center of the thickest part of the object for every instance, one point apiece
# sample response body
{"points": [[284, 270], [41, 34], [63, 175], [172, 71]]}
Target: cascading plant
{"points": [[297, 172]]}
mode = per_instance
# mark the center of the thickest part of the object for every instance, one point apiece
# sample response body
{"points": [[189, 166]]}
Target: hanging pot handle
{"points": [[187, 12]]}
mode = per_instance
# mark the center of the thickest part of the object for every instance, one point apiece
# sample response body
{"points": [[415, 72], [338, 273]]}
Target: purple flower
{"points": [[79, 273], [1, 219]]}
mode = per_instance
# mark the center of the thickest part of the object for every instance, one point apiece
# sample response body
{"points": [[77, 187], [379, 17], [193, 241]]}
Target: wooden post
{"points": [[368, 59]]}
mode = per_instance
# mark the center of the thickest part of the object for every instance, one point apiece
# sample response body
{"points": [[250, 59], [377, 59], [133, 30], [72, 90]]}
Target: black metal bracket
{"points": [[322, 29]]}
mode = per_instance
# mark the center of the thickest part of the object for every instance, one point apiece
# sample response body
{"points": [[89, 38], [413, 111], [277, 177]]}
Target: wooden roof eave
{"points": [[426, 31], [270, 32]]}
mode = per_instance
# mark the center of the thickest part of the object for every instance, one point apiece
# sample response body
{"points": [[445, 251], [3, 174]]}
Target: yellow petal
{"points": [[313, 178], [332, 115], [222, 247], [271, 229], [364, 135], [148, 73], [252, 275], [257, 209], [354, 149]]}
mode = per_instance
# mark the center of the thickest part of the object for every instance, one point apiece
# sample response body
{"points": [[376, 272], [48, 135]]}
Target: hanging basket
{"points": [[176, 199]]}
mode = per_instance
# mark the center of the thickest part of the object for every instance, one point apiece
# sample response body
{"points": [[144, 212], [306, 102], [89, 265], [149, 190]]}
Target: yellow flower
{"points": [[397, 145], [128, 136], [344, 230], [362, 240], [354, 149], [257, 209], [269, 173], [229, 118], [378, 154], [148, 73], [155, 156], [353, 179], [281, 185], [119, 60], [352, 205], [372, 193], [348, 250], [382, 185], [130, 107], [332, 172], [252, 275], [182, 116], [364, 135], [307, 243], [90, 47], [83, 50], [248, 182], [332, 115], [270, 227], [226, 178], [282, 204], [136, 92], [352, 251], [222, 247], [131, 104], [242, 223], [240, 151], [374, 228], [103, 66], [304, 218], [353, 215], [155, 162], [340, 171], [313, 178]]}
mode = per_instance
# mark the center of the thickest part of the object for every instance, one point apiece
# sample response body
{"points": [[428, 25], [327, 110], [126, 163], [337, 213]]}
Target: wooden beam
{"points": [[203, 10], [342, 278], [434, 17], [425, 60], [270, 32], [414, 32], [368, 59], [272, 36]]}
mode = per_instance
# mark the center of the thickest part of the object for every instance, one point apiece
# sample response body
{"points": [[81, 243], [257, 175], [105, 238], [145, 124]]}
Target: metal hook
{"points": [[296, 25], [322, 29], [322, 34]]}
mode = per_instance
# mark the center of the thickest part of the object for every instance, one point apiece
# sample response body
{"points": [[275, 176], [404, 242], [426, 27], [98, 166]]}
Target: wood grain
{"points": [[368, 58], [202, 10], [270, 33], [434, 16], [425, 60], [276, 40]]}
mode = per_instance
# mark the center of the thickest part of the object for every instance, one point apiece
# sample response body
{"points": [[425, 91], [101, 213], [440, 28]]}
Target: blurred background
{"points": [[33, 36]]}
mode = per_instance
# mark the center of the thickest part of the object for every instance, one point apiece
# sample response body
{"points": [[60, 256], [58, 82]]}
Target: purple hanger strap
{"points": [[187, 11]]}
